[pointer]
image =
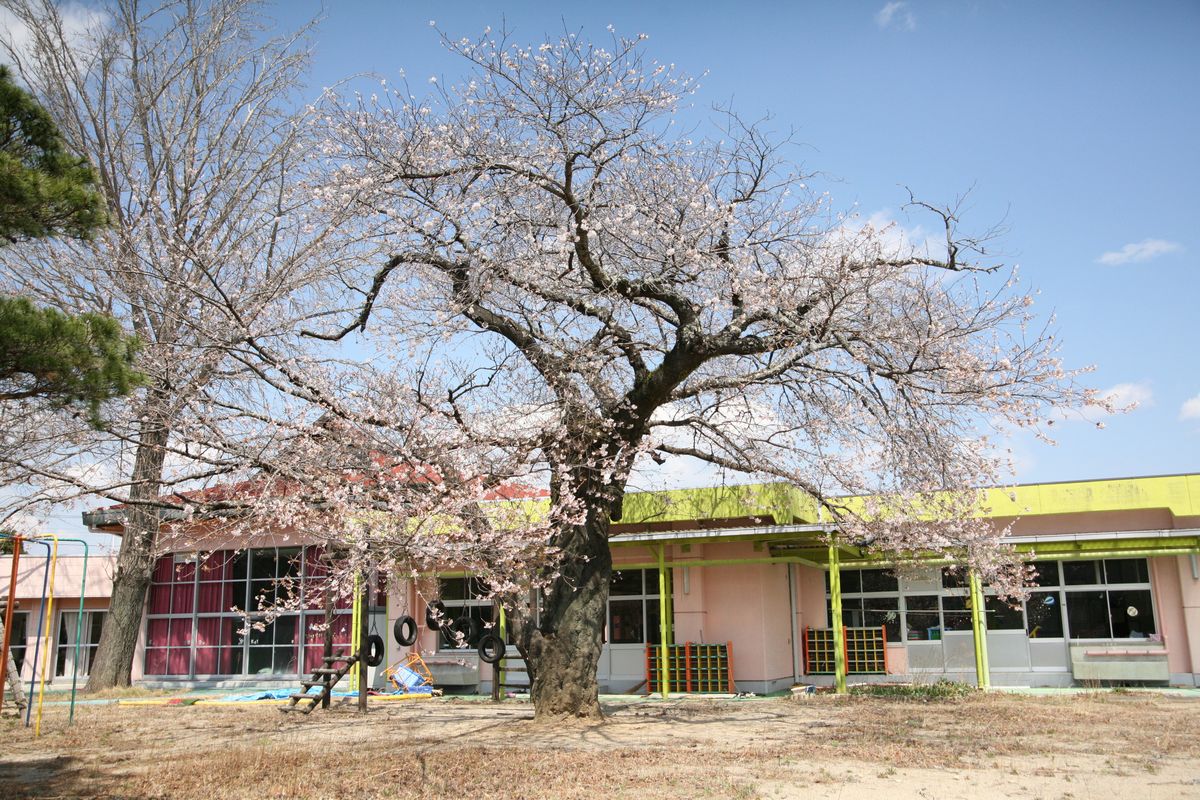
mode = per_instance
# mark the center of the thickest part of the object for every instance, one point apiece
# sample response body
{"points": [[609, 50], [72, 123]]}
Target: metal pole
{"points": [[664, 678], [670, 601], [8, 619], [327, 644], [795, 625], [37, 730], [78, 630], [500, 671], [37, 649], [355, 643], [979, 632], [364, 610], [839, 633]]}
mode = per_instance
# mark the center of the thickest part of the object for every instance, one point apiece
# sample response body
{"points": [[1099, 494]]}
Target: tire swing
{"points": [[405, 631], [467, 627], [435, 615], [374, 648], [491, 649]]}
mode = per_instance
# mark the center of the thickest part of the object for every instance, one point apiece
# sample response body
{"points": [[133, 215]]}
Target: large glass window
{"points": [[633, 610], [1109, 599], [873, 612], [1044, 616], [206, 613], [1003, 616], [464, 600], [921, 621], [956, 613], [1100, 599], [20, 632], [89, 639]]}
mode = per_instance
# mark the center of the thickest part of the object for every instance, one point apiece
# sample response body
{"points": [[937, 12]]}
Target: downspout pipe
{"points": [[791, 579]]}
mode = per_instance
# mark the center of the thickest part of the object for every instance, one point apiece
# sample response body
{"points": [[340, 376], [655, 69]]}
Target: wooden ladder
{"points": [[326, 677]]}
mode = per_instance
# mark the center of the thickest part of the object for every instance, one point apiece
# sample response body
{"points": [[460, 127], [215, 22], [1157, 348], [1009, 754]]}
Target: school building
{"points": [[741, 581]]}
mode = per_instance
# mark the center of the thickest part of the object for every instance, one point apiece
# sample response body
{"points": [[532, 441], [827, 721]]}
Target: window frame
{"points": [[1050, 584], [649, 593], [306, 573], [87, 649]]}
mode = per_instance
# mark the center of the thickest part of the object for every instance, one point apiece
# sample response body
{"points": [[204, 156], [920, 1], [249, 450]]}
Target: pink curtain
{"points": [[160, 589], [160, 598], [184, 572], [215, 597], [177, 660], [314, 637], [181, 632], [156, 633], [156, 661], [208, 640], [217, 566], [183, 593]]}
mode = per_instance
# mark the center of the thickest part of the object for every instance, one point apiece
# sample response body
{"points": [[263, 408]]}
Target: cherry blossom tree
{"points": [[579, 275], [190, 117]]}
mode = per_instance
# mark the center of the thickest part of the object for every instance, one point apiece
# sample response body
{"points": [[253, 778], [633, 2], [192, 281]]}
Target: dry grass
{"points": [[681, 749]]}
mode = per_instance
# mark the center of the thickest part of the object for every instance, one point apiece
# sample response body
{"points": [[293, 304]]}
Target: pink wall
{"points": [[748, 605], [1164, 580], [67, 575], [1188, 640]]}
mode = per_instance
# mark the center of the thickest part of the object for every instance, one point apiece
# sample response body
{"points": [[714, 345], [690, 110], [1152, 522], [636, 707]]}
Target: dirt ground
{"points": [[1105, 745]]}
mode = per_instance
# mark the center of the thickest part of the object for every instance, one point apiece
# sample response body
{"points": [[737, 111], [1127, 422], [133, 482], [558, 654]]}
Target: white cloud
{"points": [[1121, 397], [1139, 251], [79, 22], [1128, 395], [1190, 408], [881, 231], [896, 15]]}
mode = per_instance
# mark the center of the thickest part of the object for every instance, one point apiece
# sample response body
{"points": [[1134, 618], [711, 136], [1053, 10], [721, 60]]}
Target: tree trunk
{"points": [[13, 679], [564, 650], [113, 663]]}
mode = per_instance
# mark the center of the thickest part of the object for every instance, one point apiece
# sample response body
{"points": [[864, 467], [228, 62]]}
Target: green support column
{"points": [[839, 635], [983, 678], [664, 600], [670, 601], [498, 675]]}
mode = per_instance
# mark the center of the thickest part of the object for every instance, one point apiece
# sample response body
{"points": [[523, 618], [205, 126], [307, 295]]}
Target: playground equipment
{"points": [[326, 676], [409, 673], [45, 622]]}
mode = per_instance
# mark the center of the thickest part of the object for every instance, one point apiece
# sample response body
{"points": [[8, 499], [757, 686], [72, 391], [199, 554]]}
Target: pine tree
{"points": [[81, 359], [45, 190]]}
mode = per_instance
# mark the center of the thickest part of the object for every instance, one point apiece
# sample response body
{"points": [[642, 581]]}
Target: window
{"points": [[18, 637], [956, 613], [954, 577], [89, 638], [1003, 617], [1045, 573], [196, 626], [463, 598], [1081, 573], [633, 609], [1091, 599], [873, 612], [921, 620], [1043, 613], [1087, 615], [1109, 599]]}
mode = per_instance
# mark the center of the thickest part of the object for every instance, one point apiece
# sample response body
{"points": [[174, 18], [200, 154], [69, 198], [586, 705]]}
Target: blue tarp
{"points": [[278, 694], [409, 681]]}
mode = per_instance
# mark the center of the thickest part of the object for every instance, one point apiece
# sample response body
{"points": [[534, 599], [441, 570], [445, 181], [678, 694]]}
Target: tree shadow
{"points": [[51, 776]]}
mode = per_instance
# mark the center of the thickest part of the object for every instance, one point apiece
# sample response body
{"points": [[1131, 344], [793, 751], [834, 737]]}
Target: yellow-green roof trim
{"points": [[784, 504]]}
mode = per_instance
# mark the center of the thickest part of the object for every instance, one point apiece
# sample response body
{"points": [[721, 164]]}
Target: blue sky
{"points": [[1075, 123]]}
